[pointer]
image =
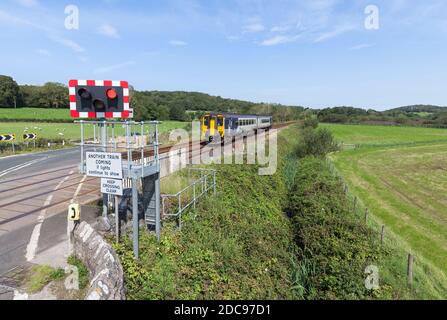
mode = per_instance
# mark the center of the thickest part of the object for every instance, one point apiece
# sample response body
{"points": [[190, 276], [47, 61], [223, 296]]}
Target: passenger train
{"points": [[232, 125]]}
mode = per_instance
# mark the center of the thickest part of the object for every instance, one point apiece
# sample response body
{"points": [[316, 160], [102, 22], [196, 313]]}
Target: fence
{"points": [[364, 213], [174, 205]]}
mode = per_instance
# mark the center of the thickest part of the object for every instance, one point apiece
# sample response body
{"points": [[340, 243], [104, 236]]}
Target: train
{"points": [[231, 125]]}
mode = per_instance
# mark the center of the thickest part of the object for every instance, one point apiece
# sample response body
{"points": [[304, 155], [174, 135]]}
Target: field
{"points": [[386, 135], [28, 114], [69, 131], [400, 174]]}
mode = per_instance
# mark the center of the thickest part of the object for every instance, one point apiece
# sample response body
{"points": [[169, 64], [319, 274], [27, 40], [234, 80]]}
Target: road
{"points": [[35, 191]]}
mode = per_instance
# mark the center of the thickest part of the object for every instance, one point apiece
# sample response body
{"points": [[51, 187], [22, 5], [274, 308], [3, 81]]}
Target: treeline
{"points": [[432, 116], [148, 105], [183, 106]]}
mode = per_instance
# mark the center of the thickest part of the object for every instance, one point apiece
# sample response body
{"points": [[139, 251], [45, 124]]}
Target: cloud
{"points": [[66, 42], [28, 3], [108, 31], [280, 29], [178, 43], [362, 46], [113, 67], [278, 40], [334, 33], [43, 52], [253, 28]]}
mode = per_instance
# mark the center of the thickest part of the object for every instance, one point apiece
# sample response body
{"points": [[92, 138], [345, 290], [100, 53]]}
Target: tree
{"points": [[9, 91]]}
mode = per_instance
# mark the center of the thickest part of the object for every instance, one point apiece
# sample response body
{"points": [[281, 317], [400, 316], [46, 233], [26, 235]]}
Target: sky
{"points": [[376, 54]]}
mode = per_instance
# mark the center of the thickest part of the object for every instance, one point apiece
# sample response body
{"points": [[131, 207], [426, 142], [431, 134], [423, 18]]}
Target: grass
{"points": [[385, 135], [42, 114], [42, 275], [400, 177], [69, 131], [82, 269]]}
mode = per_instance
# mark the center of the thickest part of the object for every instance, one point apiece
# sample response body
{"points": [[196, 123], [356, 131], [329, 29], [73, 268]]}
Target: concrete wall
{"points": [[106, 272]]}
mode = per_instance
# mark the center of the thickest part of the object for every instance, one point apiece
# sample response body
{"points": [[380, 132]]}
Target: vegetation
{"points": [[427, 116], [82, 269], [236, 245], [148, 105], [42, 275], [34, 114], [401, 181]]}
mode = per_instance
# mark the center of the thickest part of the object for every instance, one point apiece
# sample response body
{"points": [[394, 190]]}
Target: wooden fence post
{"points": [[410, 269], [382, 235], [366, 216]]}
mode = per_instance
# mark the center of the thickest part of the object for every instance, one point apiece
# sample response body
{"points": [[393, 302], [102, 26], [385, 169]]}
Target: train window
{"points": [[206, 121], [220, 121]]}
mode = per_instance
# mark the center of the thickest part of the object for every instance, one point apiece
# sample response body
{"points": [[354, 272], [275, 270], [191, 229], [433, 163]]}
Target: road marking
{"points": [[20, 166], [34, 240], [75, 195]]}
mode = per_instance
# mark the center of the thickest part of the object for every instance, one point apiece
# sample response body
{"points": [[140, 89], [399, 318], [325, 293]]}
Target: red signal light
{"points": [[111, 94]]}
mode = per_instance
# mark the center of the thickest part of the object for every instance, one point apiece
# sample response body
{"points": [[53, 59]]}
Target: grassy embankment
{"points": [[399, 173], [240, 244]]}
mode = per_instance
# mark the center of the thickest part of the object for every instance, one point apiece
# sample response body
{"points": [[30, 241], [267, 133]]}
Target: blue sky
{"points": [[315, 53]]}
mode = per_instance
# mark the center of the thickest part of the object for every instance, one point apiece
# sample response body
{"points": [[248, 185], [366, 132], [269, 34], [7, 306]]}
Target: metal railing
{"points": [[189, 196]]}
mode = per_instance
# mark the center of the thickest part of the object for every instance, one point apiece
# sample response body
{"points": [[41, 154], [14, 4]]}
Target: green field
{"points": [[400, 174], [68, 131], [385, 135], [28, 114]]}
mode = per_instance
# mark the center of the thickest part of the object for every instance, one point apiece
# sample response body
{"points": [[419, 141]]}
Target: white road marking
{"points": [[34, 240], [20, 166]]}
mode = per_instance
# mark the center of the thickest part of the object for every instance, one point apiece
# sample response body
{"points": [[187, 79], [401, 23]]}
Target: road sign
{"points": [[29, 136], [112, 186], [104, 165], [7, 137], [99, 99]]}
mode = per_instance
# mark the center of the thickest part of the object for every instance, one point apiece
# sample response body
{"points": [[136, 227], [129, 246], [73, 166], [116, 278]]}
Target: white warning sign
{"points": [[112, 186], [104, 165]]}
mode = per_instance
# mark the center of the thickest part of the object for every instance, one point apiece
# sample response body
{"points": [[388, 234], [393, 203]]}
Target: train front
{"points": [[212, 127]]}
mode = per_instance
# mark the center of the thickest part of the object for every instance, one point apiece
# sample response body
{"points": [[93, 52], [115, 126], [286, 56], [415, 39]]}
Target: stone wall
{"points": [[106, 272]]}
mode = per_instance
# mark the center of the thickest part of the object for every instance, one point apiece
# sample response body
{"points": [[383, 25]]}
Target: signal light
{"points": [[111, 94], [99, 105], [99, 99], [84, 93]]}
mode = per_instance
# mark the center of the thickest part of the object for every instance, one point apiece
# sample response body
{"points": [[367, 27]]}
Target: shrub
{"points": [[316, 143]]}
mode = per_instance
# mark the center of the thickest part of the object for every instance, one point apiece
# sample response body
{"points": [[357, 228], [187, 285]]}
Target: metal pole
{"points": [[179, 211], [194, 193], [82, 146], [117, 220], [214, 181], [94, 133], [105, 197], [135, 221], [157, 207]]}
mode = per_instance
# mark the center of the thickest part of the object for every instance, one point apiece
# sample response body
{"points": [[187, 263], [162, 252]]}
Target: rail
{"points": [[184, 200]]}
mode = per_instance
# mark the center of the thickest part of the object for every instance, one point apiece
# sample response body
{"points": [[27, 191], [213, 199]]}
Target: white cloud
{"points": [[113, 67], [334, 33], [280, 29], [66, 42], [278, 40], [28, 3], [43, 52], [178, 43], [253, 28], [362, 46], [108, 31]]}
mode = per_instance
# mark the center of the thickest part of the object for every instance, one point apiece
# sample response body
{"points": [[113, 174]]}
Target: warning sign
{"points": [[112, 186], [104, 165]]}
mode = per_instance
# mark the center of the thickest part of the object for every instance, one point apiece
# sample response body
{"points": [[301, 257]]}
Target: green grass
{"points": [[385, 135], [82, 271], [403, 183], [28, 114], [70, 131], [42, 275]]}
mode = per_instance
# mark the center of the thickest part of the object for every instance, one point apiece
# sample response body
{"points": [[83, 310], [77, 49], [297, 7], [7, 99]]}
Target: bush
{"points": [[334, 247], [316, 143]]}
